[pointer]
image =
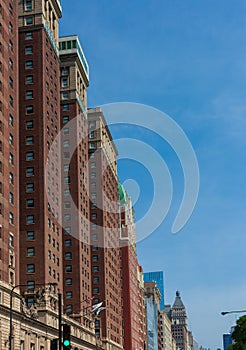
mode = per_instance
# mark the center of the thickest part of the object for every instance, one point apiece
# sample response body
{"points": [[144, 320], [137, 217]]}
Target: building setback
{"points": [[40, 202], [9, 144], [74, 72], [104, 217], [132, 287]]}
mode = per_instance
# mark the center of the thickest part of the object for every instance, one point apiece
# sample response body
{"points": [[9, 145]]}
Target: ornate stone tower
{"points": [[179, 323]]}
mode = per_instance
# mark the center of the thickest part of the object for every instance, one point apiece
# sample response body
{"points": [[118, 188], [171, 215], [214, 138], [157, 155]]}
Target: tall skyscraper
{"points": [[9, 143], [132, 287], [227, 340], [40, 202], [75, 204], [105, 250], [158, 277], [152, 301], [179, 323]]}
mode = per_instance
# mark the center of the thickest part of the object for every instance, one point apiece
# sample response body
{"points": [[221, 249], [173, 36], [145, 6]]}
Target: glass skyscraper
{"points": [[158, 278]]}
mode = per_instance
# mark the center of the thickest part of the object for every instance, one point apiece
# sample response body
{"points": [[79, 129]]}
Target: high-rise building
{"points": [[179, 323], [167, 340], [75, 204], [158, 278], [132, 287], [104, 217], [9, 143], [152, 301], [227, 340], [40, 202]]}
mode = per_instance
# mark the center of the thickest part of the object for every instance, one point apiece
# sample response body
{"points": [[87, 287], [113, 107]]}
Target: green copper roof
{"points": [[122, 194]]}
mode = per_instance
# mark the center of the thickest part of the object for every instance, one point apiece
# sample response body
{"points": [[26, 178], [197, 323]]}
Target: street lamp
{"points": [[11, 307], [223, 313]]}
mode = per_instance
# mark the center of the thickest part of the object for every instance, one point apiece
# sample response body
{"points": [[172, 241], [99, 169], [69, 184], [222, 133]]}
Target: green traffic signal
{"points": [[66, 343]]}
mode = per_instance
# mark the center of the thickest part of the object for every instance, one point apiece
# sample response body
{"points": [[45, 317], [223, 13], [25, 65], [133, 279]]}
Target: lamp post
{"points": [[11, 308], [223, 313]]}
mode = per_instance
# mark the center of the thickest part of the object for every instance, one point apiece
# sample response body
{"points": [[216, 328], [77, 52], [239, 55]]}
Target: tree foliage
{"points": [[239, 335]]}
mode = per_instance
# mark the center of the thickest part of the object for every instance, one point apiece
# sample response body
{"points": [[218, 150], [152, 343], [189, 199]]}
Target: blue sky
{"points": [[187, 59]]}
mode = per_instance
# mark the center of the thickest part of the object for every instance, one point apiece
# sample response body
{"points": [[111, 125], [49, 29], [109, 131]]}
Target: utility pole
{"points": [[60, 320]]}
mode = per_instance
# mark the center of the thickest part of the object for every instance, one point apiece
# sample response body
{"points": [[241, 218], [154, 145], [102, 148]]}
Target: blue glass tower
{"points": [[158, 278], [227, 340]]}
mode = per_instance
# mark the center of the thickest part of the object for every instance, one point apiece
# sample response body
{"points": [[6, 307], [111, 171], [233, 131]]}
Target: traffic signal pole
{"points": [[60, 320]]}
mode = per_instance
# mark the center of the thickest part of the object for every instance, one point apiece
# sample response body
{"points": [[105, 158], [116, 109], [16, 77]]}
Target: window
{"points": [[30, 203], [30, 235], [11, 240], [69, 295], [95, 279], [29, 124], [10, 27], [94, 216], [11, 65], [30, 268], [11, 120], [68, 243], [67, 217], [29, 64], [68, 256], [68, 281], [64, 95], [69, 309], [29, 140], [66, 143], [11, 178], [29, 109], [28, 5], [67, 180], [11, 158], [28, 50], [30, 219], [30, 171], [11, 82], [95, 290], [68, 229], [64, 71], [92, 135], [95, 258], [29, 79], [93, 175], [95, 268], [28, 35], [11, 198], [10, 45], [29, 156], [30, 302], [94, 237], [30, 187], [65, 119], [92, 145], [11, 138], [30, 251], [94, 248], [66, 131], [30, 285], [29, 20], [29, 94], [64, 82], [11, 101], [65, 107], [68, 268]]}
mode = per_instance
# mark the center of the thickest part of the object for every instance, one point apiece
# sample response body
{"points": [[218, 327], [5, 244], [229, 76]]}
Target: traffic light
{"points": [[53, 344], [66, 336]]}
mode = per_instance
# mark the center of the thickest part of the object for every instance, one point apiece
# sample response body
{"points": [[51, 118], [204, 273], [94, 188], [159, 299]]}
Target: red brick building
{"points": [[40, 202], [9, 143], [134, 313], [75, 207], [105, 251]]}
